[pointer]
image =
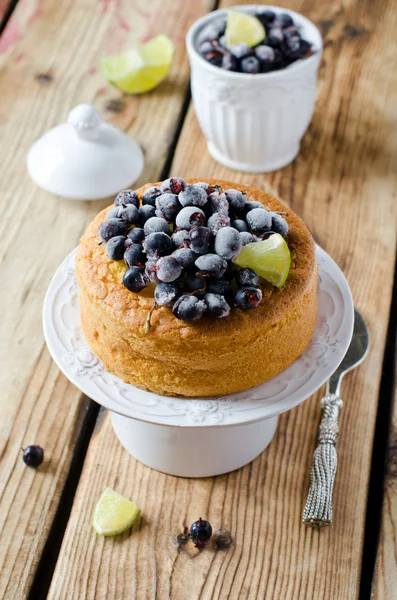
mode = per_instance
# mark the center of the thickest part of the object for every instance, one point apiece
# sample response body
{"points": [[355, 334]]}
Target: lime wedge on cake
{"points": [[271, 259], [141, 69], [114, 514], [243, 28]]}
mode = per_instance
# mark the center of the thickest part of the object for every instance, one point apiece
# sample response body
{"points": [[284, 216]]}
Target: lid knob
{"points": [[86, 121]]}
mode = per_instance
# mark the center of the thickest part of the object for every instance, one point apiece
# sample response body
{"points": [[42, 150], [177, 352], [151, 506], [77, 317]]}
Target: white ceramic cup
{"points": [[254, 123]]}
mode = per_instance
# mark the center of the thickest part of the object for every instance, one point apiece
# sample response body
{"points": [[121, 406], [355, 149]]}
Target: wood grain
{"points": [[344, 185], [49, 54]]}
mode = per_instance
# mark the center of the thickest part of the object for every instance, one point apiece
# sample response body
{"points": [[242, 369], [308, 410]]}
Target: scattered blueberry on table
{"points": [[200, 533], [33, 456]]}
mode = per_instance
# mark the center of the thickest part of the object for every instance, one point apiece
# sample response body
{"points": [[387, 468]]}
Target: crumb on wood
{"points": [[352, 31], [223, 540], [44, 78], [392, 456], [116, 105]]}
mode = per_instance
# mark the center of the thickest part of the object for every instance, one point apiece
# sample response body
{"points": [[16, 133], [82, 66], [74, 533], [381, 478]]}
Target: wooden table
{"points": [[343, 184]]}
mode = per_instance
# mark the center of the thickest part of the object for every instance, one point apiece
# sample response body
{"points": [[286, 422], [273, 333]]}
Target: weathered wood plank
{"points": [[344, 185], [48, 63]]}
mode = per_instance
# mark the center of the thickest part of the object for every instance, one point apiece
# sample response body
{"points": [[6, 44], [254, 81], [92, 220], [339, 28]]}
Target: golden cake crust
{"points": [[208, 357]]}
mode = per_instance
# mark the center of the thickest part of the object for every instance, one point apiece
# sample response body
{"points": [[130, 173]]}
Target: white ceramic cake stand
{"points": [[198, 437]]}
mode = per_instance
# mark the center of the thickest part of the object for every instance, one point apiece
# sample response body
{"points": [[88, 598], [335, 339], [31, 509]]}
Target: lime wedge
{"points": [[242, 27], [114, 514], [271, 259], [141, 69]]}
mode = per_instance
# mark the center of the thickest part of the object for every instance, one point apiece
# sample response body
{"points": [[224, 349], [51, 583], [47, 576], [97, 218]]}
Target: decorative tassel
{"points": [[318, 508]]}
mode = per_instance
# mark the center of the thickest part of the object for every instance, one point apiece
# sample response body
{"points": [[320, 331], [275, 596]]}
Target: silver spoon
{"points": [[318, 508]]}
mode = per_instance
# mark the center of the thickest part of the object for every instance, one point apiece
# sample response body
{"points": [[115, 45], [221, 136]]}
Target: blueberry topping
{"points": [[221, 287], [259, 220], [247, 278], [236, 201], [193, 195], [165, 294], [201, 239], [168, 269], [251, 205], [216, 221], [136, 235], [195, 284], [175, 185], [156, 224], [201, 532], [247, 238], [266, 56], [217, 306], [151, 270], [135, 279], [127, 197], [167, 206], [265, 16], [185, 256], [212, 30], [146, 212], [150, 195], [129, 214], [189, 308], [189, 217], [115, 247], [211, 265], [180, 238], [229, 62], [134, 256], [247, 297], [240, 50], [279, 225], [219, 203], [227, 242], [111, 228], [157, 244], [33, 456], [250, 65], [296, 48], [113, 213], [231, 271], [240, 225], [275, 37], [206, 186], [283, 20]]}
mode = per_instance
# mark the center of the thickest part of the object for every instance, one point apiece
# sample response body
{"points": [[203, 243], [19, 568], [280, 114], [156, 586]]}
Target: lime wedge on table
{"points": [[242, 27], [271, 259], [141, 69], [113, 513]]}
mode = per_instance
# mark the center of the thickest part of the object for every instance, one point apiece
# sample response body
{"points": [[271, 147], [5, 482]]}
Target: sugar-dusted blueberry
{"points": [[211, 265], [247, 277], [190, 216], [259, 220], [115, 247], [213, 30], [167, 206], [217, 306], [168, 269], [266, 56], [201, 239], [216, 221], [33, 456], [251, 205], [247, 297], [111, 228], [247, 238], [223, 42], [220, 286], [219, 203], [135, 279], [265, 16], [185, 256], [240, 225], [174, 185], [156, 224], [129, 214], [180, 238], [134, 256], [283, 20], [279, 225], [250, 65], [127, 197], [146, 212], [136, 235], [206, 186], [195, 284], [296, 48], [158, 244], [165, 294], [193, 195], [205, 47], [229, 62], [113, 213], [189, 308], [214, 57], [227, 243], [150, 194], [151, 270], [240, 50], [275, 37], [236, 201]]}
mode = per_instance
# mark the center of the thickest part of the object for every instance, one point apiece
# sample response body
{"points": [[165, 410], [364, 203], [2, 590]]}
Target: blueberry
{"points": [[231, 271], [193, 195], [221, 287], [279, 225], [134, 256], [115, 247], [189, 308], [247, 238], [250, 65], [113, 213], [219, 203], [189, 217], [33, 456], [135, 279], [214, 57], [296, 48], [236, 201], [283, 20], [227, 242], [127, 197], [229, 62], [111, 228], [156, 224], [158, 244], [136, 235], [185, 257], [216, 221], [174, 185], [201, 532], [151, 270], [150, 195], [222, 41], [195, 284], [146, 212], [275, 37], [217, 306], [129, 214], [168, 269], [247, 297], [247, 278], [165, 294], [240, 225], [213, 30], [211, 265], [206, 47], [240, 50], [265, 16], [259, 220], [201, 239], [251, 205], [206, 186], [180, 238], [267, 57], [167, 206]]}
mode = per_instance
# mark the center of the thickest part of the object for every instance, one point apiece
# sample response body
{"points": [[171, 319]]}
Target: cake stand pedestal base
{"points": [[193, 451]]}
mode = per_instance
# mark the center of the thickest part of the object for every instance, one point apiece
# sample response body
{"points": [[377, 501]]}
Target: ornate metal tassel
{"points": [[318, 508]]}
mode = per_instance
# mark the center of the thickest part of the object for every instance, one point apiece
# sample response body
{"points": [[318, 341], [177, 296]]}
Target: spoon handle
{"points": [[318, 508]]}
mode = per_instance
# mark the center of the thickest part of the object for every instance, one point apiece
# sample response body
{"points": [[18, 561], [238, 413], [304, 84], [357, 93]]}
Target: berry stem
{"points": [[149, 316]]}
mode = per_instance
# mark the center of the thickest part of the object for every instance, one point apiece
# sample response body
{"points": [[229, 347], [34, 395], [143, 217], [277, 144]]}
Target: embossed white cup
{"points": [[254, 123]]}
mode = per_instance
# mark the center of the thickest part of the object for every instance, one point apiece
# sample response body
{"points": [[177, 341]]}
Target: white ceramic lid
{"points": [[85, 158]]}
